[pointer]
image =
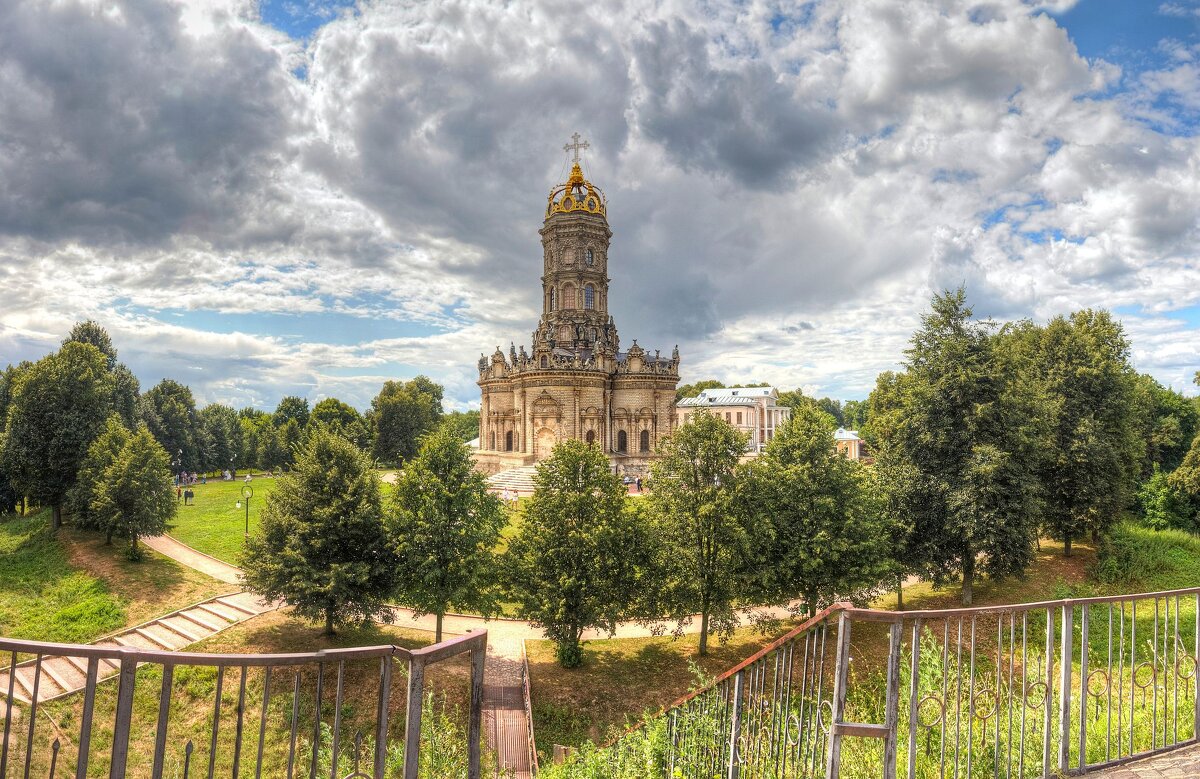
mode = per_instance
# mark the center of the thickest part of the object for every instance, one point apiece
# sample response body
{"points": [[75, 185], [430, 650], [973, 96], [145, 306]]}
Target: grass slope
{"points": [[73, 588]]}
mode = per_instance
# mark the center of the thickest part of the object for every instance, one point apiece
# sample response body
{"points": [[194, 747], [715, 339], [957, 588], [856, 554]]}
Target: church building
{"points": [[575, 381]]}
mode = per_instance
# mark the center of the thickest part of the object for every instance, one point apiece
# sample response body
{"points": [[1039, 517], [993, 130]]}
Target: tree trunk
{"points": [[55, 517], [437, 633], [704, 634], [810, 603], [899, 592], [108, 537], [1067, 545], [329, 622], [968, 582]]}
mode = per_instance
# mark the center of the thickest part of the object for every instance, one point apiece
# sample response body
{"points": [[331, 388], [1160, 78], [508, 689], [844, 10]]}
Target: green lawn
{"points": [[213, 523], [72, 588]]}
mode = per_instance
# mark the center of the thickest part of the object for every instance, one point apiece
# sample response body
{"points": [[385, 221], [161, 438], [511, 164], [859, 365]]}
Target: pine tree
{"points": [[322, 547], [103, 452], [445, 525]]}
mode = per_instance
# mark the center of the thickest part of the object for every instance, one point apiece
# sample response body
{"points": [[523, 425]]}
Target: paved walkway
{"points": [[182, 553], [1180, 764]]}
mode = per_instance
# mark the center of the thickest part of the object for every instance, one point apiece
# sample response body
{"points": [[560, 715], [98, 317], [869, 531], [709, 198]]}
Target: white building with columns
{"points": [[754, 411]]}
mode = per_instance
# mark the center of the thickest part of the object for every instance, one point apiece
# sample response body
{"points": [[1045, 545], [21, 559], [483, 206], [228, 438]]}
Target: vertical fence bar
{"points": [[381, 715], [891, 711], [8, 707], [85, 726], [1083, 682], [1064, 713], [164, 714], [475, 724], [262, 722], [840, 676], [33, 707], [735, 724], [914, 699], [1048, 700], [216, 726], [337, 719], [124, 713], [412, 724], [1196, 675]]}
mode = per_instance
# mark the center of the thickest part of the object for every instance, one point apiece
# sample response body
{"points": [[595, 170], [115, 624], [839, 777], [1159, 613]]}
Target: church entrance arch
{"points": [[591, 437], [508, 441], [546, 439]]}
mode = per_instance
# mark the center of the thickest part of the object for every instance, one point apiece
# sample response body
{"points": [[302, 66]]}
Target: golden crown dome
{"points": [[578, 195]]}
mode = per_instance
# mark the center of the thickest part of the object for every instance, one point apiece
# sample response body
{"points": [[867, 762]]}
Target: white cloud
{"points": [[787, 185]]}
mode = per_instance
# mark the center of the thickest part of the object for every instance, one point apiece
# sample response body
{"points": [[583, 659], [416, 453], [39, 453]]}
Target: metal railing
{"points": [[143, 712], [1031, 690], [528, 702]]}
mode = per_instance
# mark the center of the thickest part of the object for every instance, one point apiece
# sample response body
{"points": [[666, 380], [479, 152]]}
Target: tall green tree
{"points": [[834, 409], [446, 526], [1094, 451], [706, 543], [465, 424], [220, 437], [1170, 422], [819, 531], [59, 405], [102, 453], [322, 546], [126, 387], [169, 410], [576, 562], [694, 389], [958, 433], [343, 419], [291, 407], [400, 414], [854, 414], [134, 497], [9, 498]]}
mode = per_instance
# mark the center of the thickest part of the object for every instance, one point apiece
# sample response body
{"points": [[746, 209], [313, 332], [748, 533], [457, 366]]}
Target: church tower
{"points": [[576, 382], [575, 239]]}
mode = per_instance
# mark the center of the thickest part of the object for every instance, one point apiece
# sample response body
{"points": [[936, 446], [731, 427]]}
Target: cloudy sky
{"points": [[294, 197]]}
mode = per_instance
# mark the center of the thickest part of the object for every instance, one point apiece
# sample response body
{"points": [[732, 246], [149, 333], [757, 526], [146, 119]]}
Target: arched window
{"points": [[545, 361], [622, 442], [492, 446], [508, 441], [591, 437], [591, 258], [645, 441], [568, 298], [553, 298], [589, 295]]}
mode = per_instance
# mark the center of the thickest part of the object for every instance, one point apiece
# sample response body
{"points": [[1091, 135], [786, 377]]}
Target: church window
{"points": [[622, 442], [591, 258], [645, 441], [553, 296], [508, 441], [545, 361], [589, 295], [591, 437], [568, 298]]}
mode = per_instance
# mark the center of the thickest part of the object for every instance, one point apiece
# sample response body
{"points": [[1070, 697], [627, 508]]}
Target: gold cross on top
{"points": [[575, 146]]}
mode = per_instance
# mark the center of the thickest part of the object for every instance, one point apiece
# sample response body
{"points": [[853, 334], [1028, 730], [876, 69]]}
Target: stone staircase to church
{"points": [[516, 480]]}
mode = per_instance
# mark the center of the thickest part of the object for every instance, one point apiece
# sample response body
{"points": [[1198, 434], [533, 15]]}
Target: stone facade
{"points": [[575, 382]]}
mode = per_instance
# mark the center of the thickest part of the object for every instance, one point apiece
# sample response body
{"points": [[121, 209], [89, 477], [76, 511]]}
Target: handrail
{"points": [[26, 685], [1069, 674]]}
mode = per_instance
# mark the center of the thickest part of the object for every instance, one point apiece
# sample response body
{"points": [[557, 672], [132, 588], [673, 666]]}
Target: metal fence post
{"points": [[475, 725], [120, 742], [1064, 709], [1083, 686], [1048, 702], [841, 670], [412, 721], [381, 716], [735, 723], [891, 706], [914, 698]]}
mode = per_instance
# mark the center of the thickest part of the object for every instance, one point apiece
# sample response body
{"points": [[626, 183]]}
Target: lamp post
{"points": [[247, 494]]}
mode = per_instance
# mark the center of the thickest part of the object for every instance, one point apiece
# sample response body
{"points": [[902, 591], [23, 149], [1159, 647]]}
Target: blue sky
{"points": [[313, 198]]}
